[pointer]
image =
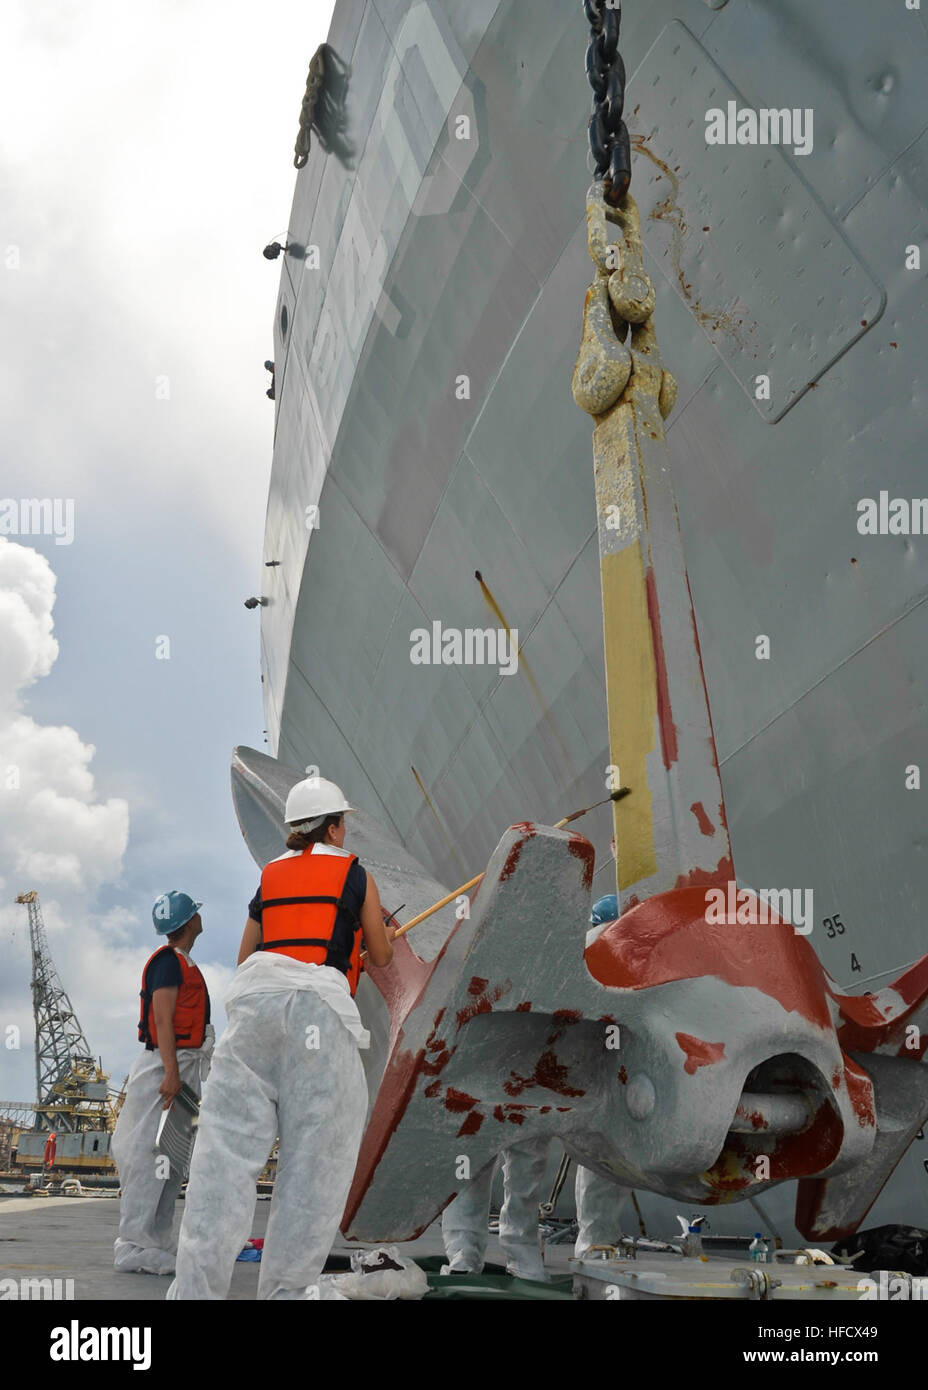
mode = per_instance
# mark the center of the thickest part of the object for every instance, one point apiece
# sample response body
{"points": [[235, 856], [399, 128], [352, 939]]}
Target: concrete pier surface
{"points": [[71, 1238]]}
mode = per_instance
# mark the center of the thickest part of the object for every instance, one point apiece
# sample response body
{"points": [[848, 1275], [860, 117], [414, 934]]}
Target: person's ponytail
{"points": [[300, 840]]}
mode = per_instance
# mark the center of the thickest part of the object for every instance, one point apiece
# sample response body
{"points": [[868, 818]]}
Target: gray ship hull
{"points": [[444, 259]]}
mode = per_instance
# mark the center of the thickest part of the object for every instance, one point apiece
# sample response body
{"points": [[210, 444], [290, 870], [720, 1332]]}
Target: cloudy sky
{"points": [[145, 158]]}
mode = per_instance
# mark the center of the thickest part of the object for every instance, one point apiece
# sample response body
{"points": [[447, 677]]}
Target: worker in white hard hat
{"points": [[287, 1065], [178, 1036]]}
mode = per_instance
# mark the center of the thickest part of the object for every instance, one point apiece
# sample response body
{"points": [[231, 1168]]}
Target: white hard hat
{"points": [[311, 800]]}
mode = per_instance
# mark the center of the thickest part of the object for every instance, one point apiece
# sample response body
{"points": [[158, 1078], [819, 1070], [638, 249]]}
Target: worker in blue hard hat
{"points": [[175, 1027], [605, 909]]}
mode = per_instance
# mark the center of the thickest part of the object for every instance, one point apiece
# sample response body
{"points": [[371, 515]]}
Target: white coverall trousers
{"points": [[464, 1221], [146, 1242], [273, 1076], [600, 1204]]}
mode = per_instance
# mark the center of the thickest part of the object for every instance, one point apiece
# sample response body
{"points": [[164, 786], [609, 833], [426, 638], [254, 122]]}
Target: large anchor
{"points": [[699, 1061], [694, 1060]]}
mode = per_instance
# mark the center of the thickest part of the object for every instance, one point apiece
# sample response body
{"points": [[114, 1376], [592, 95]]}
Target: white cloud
{"points": [[148, 150], [52, 829], [27, 593], [55, 836]]}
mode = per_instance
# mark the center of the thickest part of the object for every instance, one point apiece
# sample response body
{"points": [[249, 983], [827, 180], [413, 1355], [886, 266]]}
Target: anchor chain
{"points": [[618, 350], [605, 72]]}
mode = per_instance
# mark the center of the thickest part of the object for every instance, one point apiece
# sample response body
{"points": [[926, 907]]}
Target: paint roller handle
{"points": [[472, 882], [436, 907]]}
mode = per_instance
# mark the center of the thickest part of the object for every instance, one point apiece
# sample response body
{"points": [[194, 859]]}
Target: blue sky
{"points": [[146, 153]]}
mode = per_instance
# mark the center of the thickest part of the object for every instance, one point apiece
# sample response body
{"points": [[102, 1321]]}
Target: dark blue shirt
{"points": [[164, 973]]}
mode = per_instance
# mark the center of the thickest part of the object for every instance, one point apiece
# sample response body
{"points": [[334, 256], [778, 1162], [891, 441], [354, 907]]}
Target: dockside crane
{"points": [[72, 1095]]}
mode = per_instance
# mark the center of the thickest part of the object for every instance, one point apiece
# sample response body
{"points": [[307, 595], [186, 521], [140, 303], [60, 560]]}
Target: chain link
{"points": [[605, 72]]}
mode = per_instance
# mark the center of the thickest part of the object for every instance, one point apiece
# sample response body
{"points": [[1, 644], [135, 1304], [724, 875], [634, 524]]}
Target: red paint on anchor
{"points": [[668, 938], [562, 1019], [623, 1076], [702, 820], [483, 1002], [698, 1053], [527, 829], [873, 1020], [459, 1100], [432, 1089], [524, 1008], [860, 1090], [565, 1016], [471, 1124], [664, 714], [436, 1064], [581, 849], [437, 1048], [512, 859], [713, 751], [549, 1073], [718, 877], [396, 1088]]}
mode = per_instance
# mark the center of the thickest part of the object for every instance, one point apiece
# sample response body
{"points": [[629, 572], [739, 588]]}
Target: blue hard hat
{"points": [[173, 910], [605, 910]]}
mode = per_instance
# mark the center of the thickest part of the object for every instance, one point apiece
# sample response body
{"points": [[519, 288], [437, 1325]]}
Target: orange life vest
{"points": [[303, 915], [189, 1011]]}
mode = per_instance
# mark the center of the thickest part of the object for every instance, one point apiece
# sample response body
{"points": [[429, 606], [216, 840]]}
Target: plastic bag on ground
{"points": [[376, 1275]]}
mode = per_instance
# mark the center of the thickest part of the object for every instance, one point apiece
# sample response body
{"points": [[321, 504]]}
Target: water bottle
{"points": [[757, 1250], [692, 1245]]}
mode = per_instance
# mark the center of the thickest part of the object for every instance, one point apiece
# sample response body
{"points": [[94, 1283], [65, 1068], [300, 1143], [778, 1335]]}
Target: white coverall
{"points": [[464, 1221], [600, 1204], [146, 1243], [286, 1066]]}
